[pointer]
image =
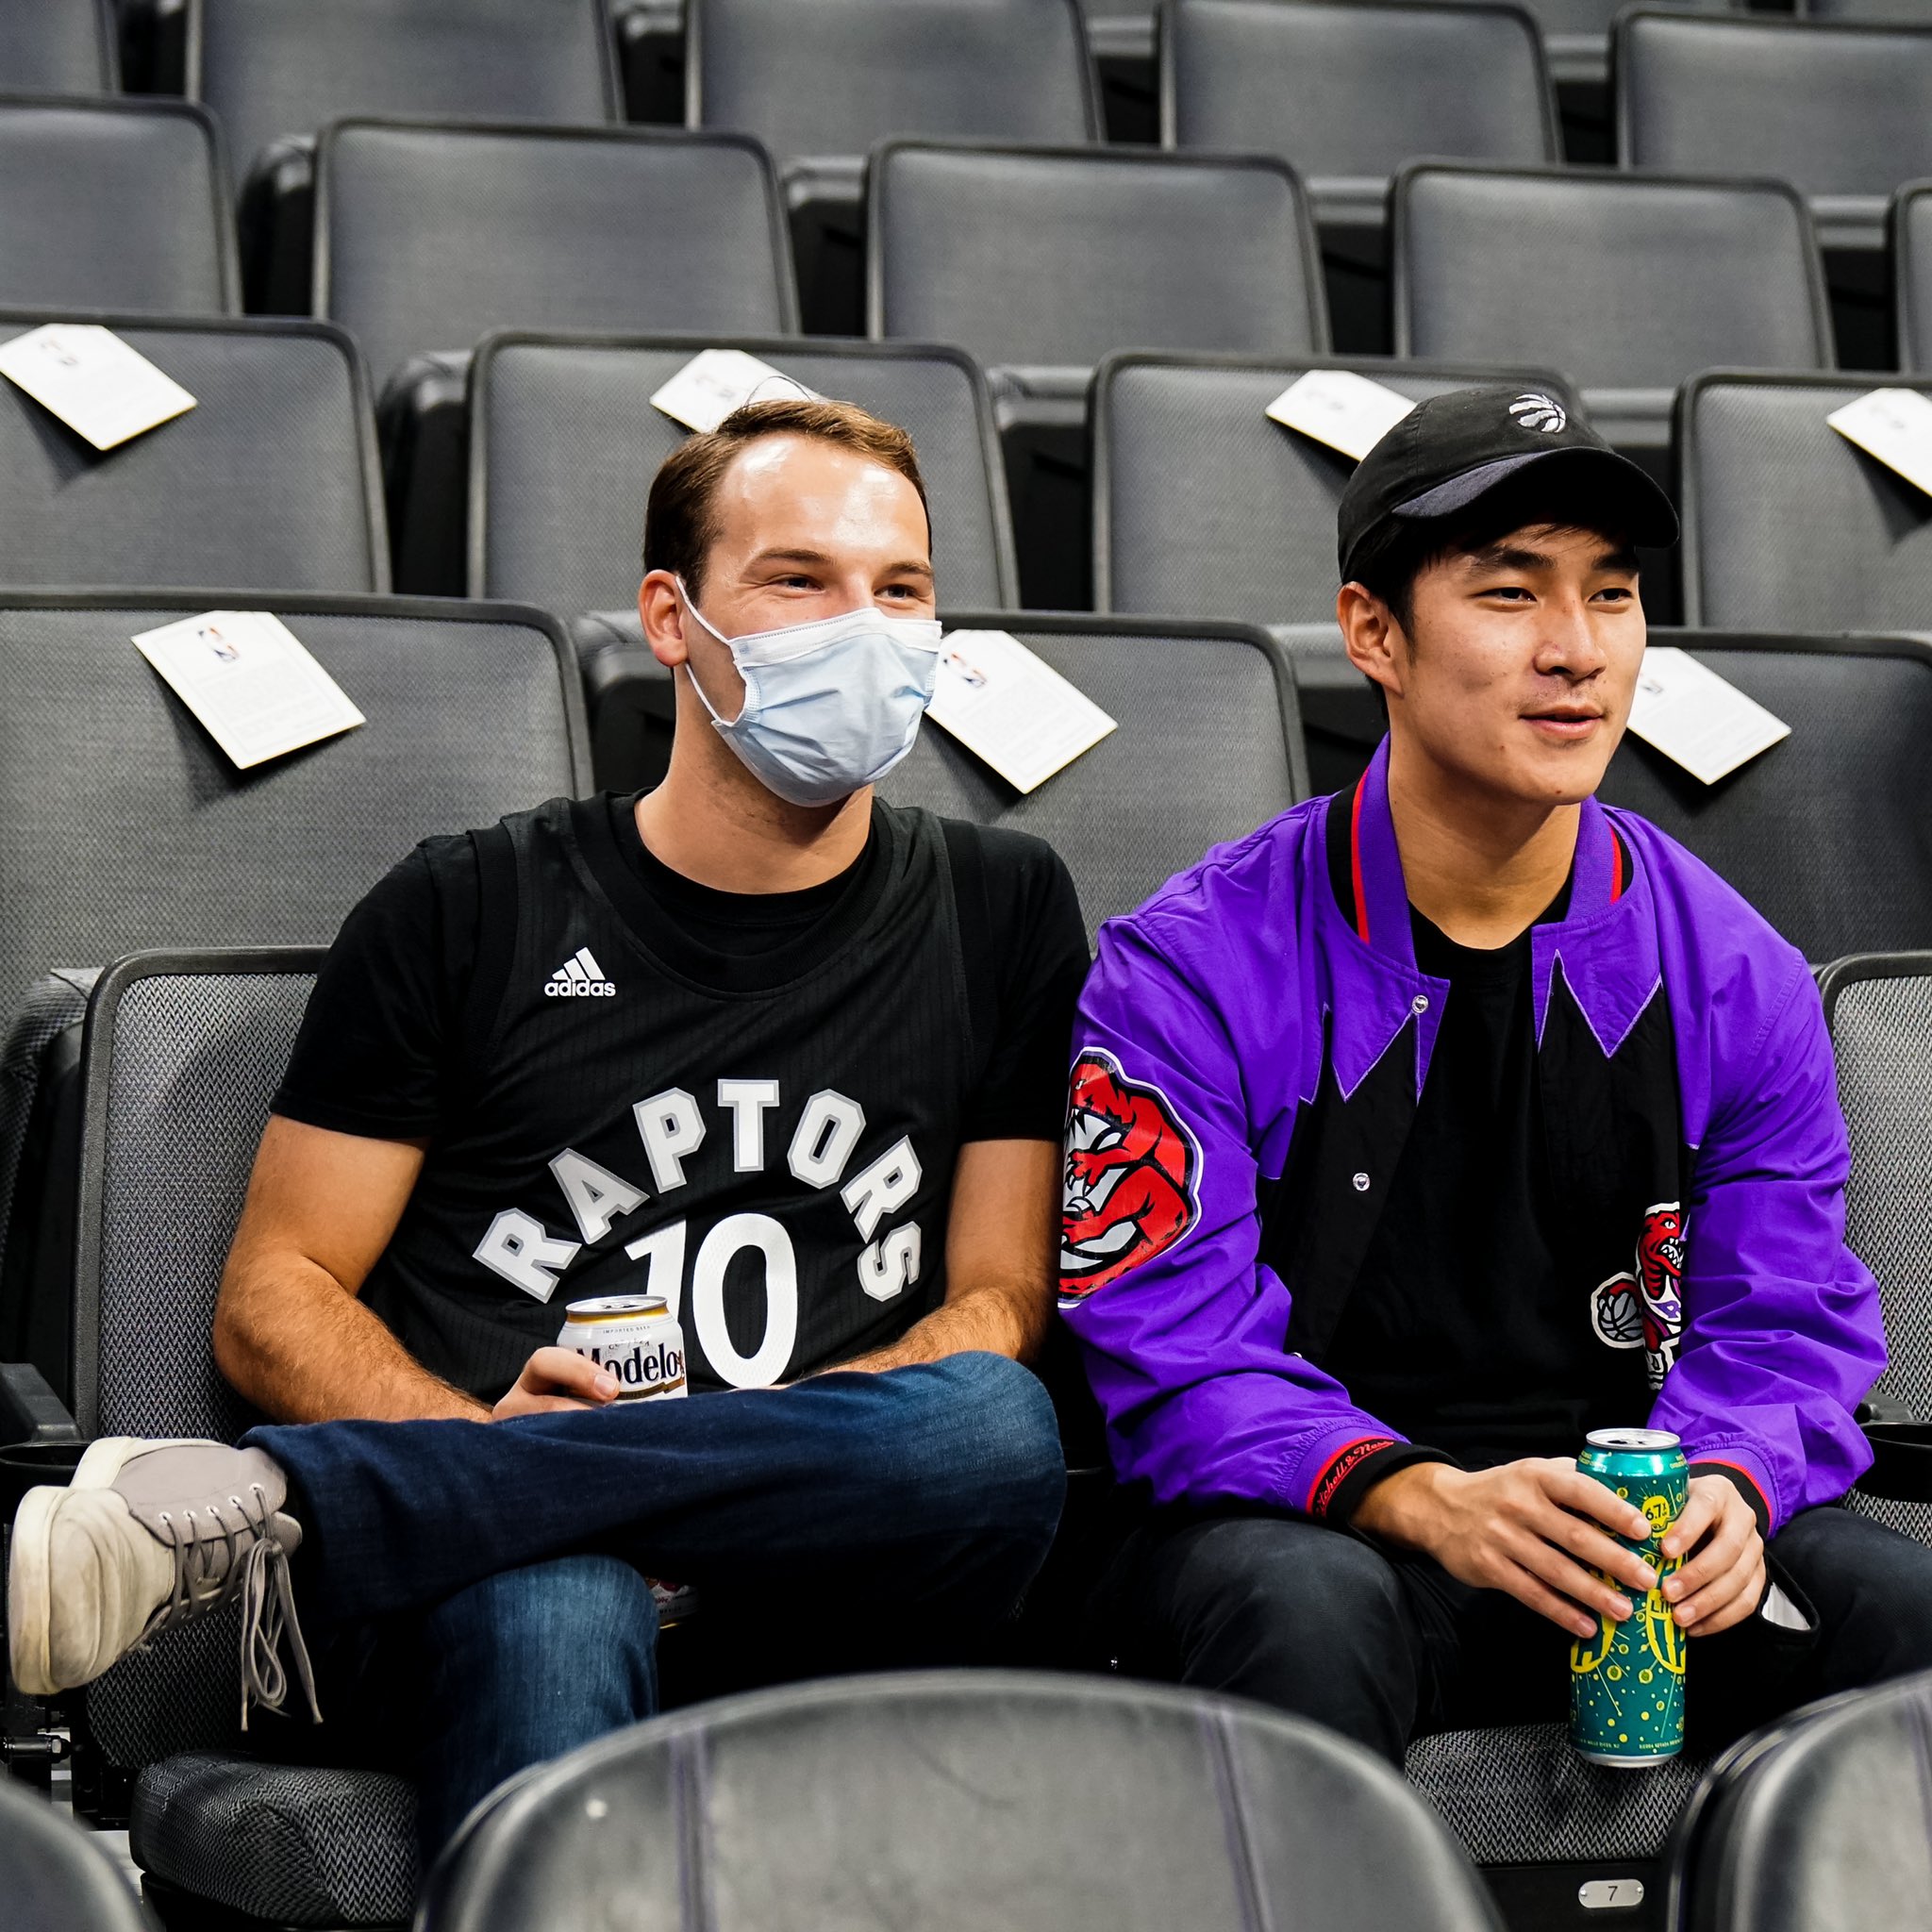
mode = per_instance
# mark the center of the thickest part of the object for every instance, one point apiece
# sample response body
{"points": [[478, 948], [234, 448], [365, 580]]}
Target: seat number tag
{"points": [[1610, 1894]]}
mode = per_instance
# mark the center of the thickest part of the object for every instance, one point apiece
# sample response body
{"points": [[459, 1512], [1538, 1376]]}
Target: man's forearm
{"points": [[294, 1341], [996, 1320]]}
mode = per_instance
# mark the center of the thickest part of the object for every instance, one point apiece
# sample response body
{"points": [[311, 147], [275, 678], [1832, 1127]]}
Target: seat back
{"points": [[184, 1051], [1826, 833], [564, 442], [429, 238], [58, 47], [1046, 258], [1915, 10], [271, 481], [1910, 226], [268, 69], [1202, 506], [54, 1876], [1351, 89], [1879, 1008], [1834, 110], [1211, 707], [1760, 469], [968, 1799], [824, 77], [114, 203], [1625, 282], [1815, 1823]]}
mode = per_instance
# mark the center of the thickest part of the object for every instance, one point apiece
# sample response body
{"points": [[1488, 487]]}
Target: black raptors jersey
{"points": [[768, 1144]]}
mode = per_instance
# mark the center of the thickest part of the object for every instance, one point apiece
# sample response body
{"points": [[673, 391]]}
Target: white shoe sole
{"points": [[31, 1580]]}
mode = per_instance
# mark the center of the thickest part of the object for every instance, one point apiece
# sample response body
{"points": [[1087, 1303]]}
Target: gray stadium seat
{"points": [[52, 1877], [272, 479], [57, 47], [1761, 472], [114, 203], [1817, 1824], [1345, 91], [1210, 709], [1916, 10], [819, 81], [1826, 833], [1879, 1008], [429, 238], [1912, 261], [564, 444], [1576, 35], [955, 1800], [1628, 283], [1121, 30], [122, 825], [277, 73], [1836, 110]]}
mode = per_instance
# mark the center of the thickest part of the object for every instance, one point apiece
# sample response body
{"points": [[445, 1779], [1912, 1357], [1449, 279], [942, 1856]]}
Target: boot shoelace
{"points": [[209, 1569]]}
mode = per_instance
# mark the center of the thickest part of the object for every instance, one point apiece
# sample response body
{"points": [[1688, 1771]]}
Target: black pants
{"points": [[1383, 1646]]}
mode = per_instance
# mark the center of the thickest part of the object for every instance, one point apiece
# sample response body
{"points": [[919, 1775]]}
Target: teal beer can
{"points": [[1627, 1682]]}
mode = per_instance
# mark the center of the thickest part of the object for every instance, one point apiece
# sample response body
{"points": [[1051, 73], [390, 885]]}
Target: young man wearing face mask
{"points": [[1442, 1121], [754, 1042]]}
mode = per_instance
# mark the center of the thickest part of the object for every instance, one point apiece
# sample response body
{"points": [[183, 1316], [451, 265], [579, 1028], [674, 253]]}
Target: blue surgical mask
{"points": [[828, 705]]}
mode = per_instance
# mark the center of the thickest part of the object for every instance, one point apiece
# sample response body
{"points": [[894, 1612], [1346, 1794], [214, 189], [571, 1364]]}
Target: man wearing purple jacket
{"points": [[1440, 1121]]}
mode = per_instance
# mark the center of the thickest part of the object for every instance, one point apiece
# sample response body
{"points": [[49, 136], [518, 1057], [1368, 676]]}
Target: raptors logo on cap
{"points": [[1537, 410], [1644, 1308], [1132, 1176]]}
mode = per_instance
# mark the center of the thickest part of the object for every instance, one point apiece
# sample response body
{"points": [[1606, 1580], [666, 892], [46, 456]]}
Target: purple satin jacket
{"points": [[1200, 1045]]}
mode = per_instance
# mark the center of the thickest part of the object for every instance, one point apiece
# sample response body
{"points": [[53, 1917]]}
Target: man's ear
{"points": [[660, 610], [1373, 640]]}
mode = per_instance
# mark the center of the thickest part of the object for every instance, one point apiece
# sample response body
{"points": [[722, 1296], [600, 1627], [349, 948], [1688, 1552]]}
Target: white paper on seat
{"points": [[716, 381], [1694, 716], [1346, 411], [246, 677], [1007, 706], [90, 378], [1894, 425]]}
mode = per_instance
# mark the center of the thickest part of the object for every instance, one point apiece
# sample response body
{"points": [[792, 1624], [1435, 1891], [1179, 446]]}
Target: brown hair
{"points": [[679, 527]]}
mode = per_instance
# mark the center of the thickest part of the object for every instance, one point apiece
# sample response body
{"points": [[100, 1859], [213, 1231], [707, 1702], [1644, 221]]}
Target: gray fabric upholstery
{"points": [[1625, 283], [56, 47], [268, 69], [1839, 111], [299, 1846], [1212, 715], [270, 481], [1054, 259], [1881, 1034], [566, 443], [820, 77], [1911, 261], [1519, 1795], [113, 205], [1823, 1824], [123, 827], [1203, 507], [976, 1802], [1826, 833], [1338, 88], [1761, 473], [429, 237], [53, 1878]]}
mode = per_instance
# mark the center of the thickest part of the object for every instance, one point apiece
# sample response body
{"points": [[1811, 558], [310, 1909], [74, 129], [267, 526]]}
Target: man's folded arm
{"points": [[1184, 1343], [1783, 1334]]}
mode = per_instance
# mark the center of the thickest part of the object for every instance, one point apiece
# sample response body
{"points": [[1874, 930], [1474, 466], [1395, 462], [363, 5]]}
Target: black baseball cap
{"points": [[1452, 450]]}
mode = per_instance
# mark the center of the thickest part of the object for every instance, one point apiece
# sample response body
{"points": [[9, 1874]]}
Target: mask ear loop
{"points": [[706, 624]]}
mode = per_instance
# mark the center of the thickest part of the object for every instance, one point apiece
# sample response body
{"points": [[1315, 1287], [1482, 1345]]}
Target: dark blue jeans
{"points": [[479, 1587], [1382, 1646]]}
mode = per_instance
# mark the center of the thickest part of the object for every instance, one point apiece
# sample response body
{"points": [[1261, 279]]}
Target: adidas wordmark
{"points": [[578, 978]]}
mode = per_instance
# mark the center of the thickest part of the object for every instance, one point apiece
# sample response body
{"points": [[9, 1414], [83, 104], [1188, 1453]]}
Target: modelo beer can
{"points": [[634, 1336], [1627, 1682]]}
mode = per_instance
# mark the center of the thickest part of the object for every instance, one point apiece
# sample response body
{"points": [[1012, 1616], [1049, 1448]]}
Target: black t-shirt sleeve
{"points": [[1026, 959], [380, 1044]]}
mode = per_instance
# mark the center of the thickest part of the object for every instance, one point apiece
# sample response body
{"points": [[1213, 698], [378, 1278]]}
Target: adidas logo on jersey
{"points": [[579, 978]]}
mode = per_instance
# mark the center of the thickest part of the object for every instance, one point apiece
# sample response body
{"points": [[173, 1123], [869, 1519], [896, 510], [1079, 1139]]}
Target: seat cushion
{"points": [[281, 1841], [1519, 1795]]}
